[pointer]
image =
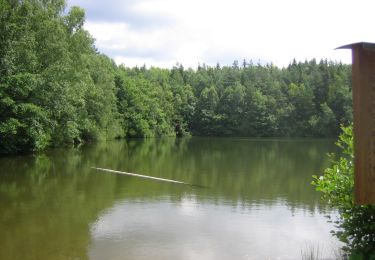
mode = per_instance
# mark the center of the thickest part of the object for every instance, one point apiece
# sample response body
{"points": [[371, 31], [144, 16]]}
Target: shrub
{"points": [[356, 223]]}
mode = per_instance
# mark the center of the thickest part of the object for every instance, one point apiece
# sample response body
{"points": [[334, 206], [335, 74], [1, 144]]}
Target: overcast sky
{"points": [[164, 32]]}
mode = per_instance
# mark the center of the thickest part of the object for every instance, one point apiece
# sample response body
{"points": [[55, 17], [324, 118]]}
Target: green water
{"points": [[257, 202]]}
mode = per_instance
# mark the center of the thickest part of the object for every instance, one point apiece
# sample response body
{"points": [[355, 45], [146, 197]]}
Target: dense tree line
{"points": [[56, 89]]}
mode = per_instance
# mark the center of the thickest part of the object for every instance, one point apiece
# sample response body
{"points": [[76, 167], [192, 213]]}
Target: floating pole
{"points": [[141, 176]]}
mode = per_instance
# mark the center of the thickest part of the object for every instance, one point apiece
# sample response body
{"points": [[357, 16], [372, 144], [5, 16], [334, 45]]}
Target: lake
{"points": [[252, 200]]}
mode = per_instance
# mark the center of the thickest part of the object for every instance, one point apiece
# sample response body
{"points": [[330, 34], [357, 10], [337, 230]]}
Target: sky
{"points": [[163, 33]]}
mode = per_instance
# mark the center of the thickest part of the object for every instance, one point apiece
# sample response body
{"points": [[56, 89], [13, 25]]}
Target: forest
{"points": [[57, 89]]}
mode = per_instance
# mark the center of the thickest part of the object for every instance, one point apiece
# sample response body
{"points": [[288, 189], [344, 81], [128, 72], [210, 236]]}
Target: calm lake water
{"points": [[256, 203]]}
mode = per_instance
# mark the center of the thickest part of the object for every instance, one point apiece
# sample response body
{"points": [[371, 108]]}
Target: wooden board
{"points": [[363, 71]]}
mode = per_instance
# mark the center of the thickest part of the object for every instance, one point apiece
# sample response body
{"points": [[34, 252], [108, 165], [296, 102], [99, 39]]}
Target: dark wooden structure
{"points": [[363, 81]]}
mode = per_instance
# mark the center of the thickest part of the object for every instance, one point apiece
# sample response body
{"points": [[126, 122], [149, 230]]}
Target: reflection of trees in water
{"points": [[249, 171], [48, 201], [234, 169]]}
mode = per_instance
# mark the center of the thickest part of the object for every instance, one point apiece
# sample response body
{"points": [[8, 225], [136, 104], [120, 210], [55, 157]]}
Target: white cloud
{"points": [[213, 31]]}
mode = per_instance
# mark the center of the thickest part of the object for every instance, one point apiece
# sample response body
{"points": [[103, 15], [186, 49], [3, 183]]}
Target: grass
{"points": [[315, 252]]}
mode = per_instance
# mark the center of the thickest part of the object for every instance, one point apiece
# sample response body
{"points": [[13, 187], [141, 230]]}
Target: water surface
{"points": [[257, 202]]}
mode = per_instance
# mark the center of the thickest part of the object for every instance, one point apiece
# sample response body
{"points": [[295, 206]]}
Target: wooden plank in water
{"points": [[140, 176]]}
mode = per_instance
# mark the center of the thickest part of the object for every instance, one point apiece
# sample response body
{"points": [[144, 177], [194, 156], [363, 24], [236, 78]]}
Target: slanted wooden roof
{"points": [[364, 45]]}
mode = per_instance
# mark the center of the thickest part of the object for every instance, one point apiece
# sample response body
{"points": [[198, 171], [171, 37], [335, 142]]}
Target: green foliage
{"points": [[206, 119], [356, 225], [256, 100], [56, 89], [75, 19], [145, 102]]}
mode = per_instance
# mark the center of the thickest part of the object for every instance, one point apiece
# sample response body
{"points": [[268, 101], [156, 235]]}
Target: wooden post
{"points": [[363, 81]]}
